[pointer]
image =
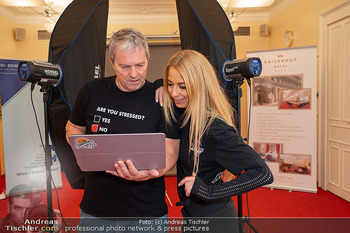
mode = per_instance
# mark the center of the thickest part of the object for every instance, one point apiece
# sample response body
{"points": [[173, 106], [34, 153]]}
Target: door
{"points": [[336, 86]]}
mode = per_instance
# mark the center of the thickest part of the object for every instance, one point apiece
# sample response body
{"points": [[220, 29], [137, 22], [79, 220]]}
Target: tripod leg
{"points": [[243, 220], [251, 226], [241, 225]]}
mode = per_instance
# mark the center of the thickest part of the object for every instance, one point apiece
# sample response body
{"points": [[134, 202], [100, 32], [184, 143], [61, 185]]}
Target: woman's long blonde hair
{"points": [[206, 99]]}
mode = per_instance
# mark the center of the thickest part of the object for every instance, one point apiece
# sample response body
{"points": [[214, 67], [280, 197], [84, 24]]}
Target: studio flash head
{"points": [[40, 72], [242, 68]]}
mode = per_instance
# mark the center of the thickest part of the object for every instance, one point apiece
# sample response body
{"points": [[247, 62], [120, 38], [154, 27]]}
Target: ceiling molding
{"points": [[4, 13], [280, 7], [253, 17], [142, 19], [142, 12]]}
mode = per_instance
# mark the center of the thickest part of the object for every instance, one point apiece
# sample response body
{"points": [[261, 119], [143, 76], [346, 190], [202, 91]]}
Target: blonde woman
{"points": [[209, 142]]}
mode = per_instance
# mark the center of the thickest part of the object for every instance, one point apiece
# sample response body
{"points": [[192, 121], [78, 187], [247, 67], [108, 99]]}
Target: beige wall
{"points": [[245, 44], [30, 48], [7, 43], [302, 18]]}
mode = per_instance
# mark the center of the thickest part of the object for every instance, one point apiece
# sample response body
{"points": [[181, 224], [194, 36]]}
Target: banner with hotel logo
{"points": [[24, 154], [283, 116]]}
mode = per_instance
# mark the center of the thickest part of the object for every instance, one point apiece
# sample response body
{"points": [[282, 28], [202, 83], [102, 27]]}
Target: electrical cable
{"points": [[58, 203], [225, 86], [234, 92], [248, 217], [250, 108], [35, 115], [249, 117]]}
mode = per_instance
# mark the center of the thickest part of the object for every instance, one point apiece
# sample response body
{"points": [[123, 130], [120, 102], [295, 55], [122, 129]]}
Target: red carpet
{"points": [[263, 202]]}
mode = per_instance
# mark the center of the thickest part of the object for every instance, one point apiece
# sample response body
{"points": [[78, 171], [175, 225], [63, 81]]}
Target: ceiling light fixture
{"points": [[231, 14], [48, 13]]}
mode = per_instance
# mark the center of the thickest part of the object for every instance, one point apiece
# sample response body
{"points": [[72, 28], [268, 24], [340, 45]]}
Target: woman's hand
{"points": [[160, 96], [188, 182]]}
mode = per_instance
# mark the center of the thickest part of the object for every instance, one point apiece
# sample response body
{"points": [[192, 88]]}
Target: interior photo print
{"points": [[265, 89], [295, 164], [268, 151], [294, 98]]}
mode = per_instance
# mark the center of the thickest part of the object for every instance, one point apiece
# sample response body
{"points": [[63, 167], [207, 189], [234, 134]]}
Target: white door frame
{"points": [[336, 14]]}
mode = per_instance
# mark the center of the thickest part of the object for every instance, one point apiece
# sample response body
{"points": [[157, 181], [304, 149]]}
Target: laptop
{"points": [[99, 152]]}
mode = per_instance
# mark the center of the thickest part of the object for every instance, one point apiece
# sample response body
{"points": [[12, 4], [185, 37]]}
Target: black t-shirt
{"points": [[220, 148], [104, 109]]}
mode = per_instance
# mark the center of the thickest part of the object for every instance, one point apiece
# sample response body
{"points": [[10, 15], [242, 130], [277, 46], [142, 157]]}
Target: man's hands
{"points": [[128, 171]]}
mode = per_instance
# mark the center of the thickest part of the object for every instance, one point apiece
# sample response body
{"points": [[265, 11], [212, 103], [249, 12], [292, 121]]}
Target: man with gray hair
{"points": [[116, 195]]}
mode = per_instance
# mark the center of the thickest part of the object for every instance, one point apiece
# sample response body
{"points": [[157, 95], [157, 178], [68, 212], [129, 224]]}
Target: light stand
{"points": [[44, 74], [48, 157], [237, 83], [237, 70]]}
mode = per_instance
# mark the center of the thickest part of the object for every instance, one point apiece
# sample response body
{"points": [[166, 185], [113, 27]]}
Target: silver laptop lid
{"points": [[99, 152]]}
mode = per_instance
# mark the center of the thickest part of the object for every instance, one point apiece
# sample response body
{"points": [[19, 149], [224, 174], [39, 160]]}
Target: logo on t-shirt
{"points": [[199, 150]]}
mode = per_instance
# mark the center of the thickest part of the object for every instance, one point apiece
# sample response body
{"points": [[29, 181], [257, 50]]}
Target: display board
{"points": [[283, 116], [23, 149]]}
